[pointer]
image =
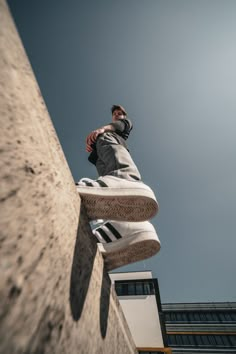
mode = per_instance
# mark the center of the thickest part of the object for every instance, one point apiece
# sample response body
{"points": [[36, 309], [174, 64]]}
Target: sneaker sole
{"points": [[121, 204], [129, 250]]}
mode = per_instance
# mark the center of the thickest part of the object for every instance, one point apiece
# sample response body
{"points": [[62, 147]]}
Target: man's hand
{"points": [[92, 137]]}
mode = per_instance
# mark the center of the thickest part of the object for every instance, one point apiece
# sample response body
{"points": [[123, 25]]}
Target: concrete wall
{"points": [[55, 295]]}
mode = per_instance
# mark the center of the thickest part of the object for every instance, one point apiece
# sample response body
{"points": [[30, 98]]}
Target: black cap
{"points": [[115, 107]]}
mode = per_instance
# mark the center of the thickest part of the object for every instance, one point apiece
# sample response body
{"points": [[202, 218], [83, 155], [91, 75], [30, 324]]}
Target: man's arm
{"points": [[92, 137], [121, 125]]}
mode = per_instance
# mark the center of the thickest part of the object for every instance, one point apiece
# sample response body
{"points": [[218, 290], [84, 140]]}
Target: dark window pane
{"points": [[118, 288], [227, 317], [131, 289], [198, 340], [139, 288], [213, 316], [212, 340], [226, 341], [179, 339], [221, 316], [218, 340], [233, 316], [185, 340], [179, 316], [196, 316], [191, 316], [171, 339], [208, 317], [191, 340], [233, 340], [167, 316], [147, 290], [202, 316], [205, 340], [124, 289], [152, 289]]}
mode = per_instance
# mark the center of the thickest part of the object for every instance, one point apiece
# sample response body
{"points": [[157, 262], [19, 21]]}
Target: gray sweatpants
{"points": [[114, 159]]}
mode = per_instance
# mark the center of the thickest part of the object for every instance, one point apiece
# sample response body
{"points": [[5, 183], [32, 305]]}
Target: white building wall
{"points": [[143, 320], [130, 276], [141, 313]]}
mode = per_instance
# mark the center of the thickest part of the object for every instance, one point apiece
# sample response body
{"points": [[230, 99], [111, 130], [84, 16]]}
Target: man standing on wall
{"points": [[118, 195]]}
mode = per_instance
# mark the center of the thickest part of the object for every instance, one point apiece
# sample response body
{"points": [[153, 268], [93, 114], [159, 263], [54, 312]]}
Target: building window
{"points": [[137, 287], [233, 316], [233, 340], [219, 340], [131, 289], [185, 340], [200, 316], [227, 317]]}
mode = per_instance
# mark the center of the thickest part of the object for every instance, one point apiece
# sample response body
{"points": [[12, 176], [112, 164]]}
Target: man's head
{"points": [[118, 112]]}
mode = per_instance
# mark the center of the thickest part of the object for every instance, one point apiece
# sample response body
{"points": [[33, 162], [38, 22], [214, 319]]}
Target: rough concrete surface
{"points": [[55, 295]]}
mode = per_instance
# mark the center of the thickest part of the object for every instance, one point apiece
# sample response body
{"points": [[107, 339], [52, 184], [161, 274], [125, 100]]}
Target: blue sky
{"points": [[171, 64]]}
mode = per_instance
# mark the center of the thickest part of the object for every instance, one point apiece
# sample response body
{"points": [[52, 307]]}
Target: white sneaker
{"points": [[115, 198], [122, 243]]}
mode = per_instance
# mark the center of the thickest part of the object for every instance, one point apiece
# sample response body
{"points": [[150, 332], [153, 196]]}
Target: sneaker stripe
{"points": [[104, 235], [91, 183], [88, 184], [98, 237], [109, 232], [113, 230], [101, 183]]}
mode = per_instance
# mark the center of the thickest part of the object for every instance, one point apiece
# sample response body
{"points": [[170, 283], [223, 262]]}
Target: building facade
{"points": [[201, 327], [178, 328], [139, 296]]}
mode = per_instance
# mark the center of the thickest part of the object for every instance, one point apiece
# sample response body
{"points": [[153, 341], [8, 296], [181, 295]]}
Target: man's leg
{"points": [[118, 194], [115, 160]]}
